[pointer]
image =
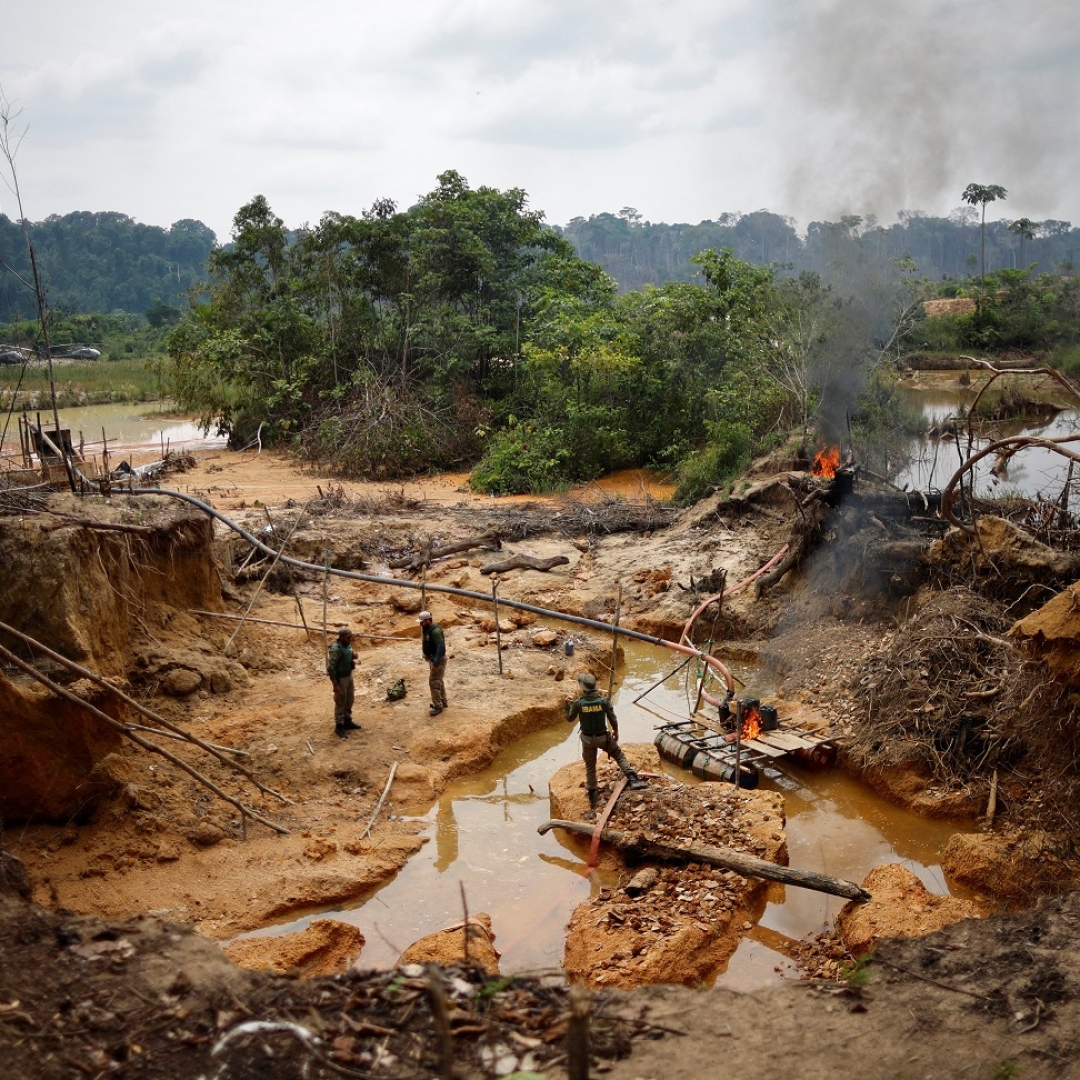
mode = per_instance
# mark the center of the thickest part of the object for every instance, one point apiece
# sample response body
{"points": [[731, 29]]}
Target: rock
{"points": [[447, 947], [319, 849], [408, 603], [206, 834], [900, 907], [180, 682], [326, 947], [544, 639]]}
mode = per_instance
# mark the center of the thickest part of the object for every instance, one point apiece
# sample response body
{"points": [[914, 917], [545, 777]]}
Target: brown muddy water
{"points": [[483, 840]]}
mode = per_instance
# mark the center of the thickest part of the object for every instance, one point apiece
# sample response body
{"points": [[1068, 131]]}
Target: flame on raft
{"points": [[750, 727]]}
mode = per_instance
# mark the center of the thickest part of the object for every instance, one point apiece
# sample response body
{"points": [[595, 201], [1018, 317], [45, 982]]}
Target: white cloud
{"points": [[684, 108]]}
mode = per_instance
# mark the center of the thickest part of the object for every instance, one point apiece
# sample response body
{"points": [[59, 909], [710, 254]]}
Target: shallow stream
{"points": [[484, 841]]}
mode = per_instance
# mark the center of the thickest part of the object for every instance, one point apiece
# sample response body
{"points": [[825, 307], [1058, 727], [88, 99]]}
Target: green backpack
{"points": [[397, 691]]}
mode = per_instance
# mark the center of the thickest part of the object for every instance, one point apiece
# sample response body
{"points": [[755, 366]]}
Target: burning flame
{"points": [[751, 724], [826, 462], [750, 728]]}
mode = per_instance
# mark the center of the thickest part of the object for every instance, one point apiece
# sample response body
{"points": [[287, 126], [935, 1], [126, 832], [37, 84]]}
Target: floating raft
{"points": [[699, 748]]}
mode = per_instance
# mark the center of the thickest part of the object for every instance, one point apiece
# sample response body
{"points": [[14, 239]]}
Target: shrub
{"points": [[700, 473]]}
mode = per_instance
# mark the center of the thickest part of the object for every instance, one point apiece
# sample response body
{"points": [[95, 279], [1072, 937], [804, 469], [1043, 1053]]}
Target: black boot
{"points": [[340, 731], [636, 783], [350, 726], [594, 799]]}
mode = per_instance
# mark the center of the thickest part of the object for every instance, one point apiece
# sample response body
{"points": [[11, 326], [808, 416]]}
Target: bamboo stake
{"points": [[382, 799], [56, 688], [140, 708], [577, 1034], [300, 608], [674, 671], [614, 643], [498, 632], [991, 802], [269, 570], [325, 589]]}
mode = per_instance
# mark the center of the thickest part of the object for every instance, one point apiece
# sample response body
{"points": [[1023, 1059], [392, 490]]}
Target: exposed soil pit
{"points": [[159, 842]]}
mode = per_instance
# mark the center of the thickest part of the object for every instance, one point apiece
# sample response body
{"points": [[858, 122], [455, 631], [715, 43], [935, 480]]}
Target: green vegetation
{"points": [[465, 333], [83, 382], [102, 262], [462, 332]]}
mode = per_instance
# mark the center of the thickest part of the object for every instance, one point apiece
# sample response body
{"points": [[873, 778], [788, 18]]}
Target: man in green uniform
{"points": [[339, 666], [433, 645], [596, 713]]}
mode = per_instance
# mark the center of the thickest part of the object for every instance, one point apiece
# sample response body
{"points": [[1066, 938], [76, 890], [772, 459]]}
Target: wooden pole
{"points": [[498, 631], [738, 739], [382, 799], [325, 589], [747, 865], [614, 643]]}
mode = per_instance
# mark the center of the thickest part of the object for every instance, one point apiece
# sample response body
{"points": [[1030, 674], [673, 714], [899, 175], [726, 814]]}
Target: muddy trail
{"points": [[922, 652]]}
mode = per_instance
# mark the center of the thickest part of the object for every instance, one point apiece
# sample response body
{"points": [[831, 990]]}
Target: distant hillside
{"points": [[101, 262]]}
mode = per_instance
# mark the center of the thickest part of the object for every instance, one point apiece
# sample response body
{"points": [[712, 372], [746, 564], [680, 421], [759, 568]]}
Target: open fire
{"points": [[826, 462]]}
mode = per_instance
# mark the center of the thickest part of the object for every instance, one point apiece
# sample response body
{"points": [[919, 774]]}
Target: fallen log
{"points": [[525, 562], [640, 847], [491, 540]]}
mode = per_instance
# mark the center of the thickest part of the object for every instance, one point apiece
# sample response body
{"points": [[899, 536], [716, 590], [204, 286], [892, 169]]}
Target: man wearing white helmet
{"points": [[596, 713], [433, 644]]}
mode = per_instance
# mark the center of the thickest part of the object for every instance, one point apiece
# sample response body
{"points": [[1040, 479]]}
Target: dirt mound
{"points": [[471, 944], [325, 947], [677, 924], [900, 907], [1052, 635]]}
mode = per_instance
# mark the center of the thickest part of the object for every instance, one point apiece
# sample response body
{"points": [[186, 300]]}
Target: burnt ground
{"points": [[973, 998]]}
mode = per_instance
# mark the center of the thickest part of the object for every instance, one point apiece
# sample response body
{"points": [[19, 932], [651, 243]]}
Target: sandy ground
{"points": [[167, 846]]}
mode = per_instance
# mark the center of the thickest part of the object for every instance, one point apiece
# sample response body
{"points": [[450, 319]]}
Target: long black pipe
{"points": [[378, 579]]}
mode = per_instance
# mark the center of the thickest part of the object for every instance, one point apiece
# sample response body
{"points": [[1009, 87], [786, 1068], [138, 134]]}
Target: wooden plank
{"points": [[762, 747], [786, 741]]}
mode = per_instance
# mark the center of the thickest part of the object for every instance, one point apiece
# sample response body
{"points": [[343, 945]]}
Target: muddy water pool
{"points": [[483, 841], [141, 430]]}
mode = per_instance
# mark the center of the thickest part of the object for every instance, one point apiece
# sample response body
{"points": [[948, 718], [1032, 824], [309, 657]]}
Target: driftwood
{"points": [[525, 562], [491, 540], [641, 847], [107, 526]]}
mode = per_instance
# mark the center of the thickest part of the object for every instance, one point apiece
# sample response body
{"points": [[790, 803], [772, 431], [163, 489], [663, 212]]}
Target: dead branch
{"points": [[382, 799], [427, 555], [140, 708], [127, 732], [525, 562], [642, 847]]}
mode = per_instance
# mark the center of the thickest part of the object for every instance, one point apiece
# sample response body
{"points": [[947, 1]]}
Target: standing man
{"points": [[434, 649], [339, 666], [596, 713]]}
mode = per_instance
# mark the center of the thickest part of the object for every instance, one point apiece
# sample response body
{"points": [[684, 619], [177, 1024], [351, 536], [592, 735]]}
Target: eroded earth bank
{"points": [[943, 674]]}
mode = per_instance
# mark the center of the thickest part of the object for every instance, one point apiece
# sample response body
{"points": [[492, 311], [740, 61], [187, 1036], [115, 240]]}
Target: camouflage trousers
{"points": [[344, 693], [590, 745]]}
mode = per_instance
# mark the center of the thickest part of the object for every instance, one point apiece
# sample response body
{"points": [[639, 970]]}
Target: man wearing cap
{"points": [[596, 713], [433, 644], [339, 666]]}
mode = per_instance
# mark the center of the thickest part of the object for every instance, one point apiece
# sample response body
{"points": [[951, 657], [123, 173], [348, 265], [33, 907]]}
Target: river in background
{"points": [[1034, 471], [482, 838], [137, 431]]}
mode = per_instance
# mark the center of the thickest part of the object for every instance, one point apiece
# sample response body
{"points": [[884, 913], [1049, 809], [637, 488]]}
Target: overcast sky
{"points": [[683, 109]]}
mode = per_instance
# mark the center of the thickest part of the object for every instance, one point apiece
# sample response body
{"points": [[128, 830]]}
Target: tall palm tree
{"points": [[983, 194], [1025, 229]]}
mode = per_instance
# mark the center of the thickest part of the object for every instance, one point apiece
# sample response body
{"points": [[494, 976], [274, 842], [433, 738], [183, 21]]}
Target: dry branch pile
{"points": [[950, 691]]}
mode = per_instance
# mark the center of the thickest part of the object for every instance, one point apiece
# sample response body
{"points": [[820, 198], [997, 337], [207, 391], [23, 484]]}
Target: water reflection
{"points": [[1033, 471], [484, 840]]}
